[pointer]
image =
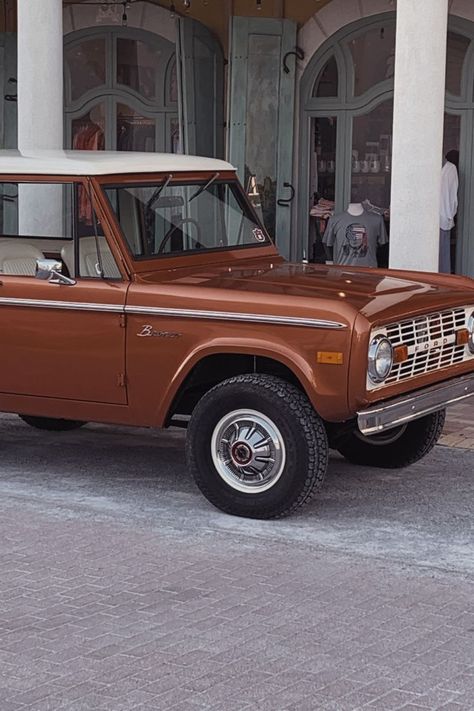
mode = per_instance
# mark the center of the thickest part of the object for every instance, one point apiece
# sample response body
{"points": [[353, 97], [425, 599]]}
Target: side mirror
{"points": [[50, 270]]}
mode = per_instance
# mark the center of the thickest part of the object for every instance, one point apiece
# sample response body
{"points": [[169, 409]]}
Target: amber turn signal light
{"points": [[462, 337], [400, 354], [330, 357]]}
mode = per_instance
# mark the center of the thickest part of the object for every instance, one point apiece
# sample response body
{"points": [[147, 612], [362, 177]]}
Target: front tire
{"points": [[256, 447], [394, 449], [51, 423]]}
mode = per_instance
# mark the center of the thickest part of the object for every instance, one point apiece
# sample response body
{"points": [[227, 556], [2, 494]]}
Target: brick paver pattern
{"points": [[459, 428], [105, 616]]}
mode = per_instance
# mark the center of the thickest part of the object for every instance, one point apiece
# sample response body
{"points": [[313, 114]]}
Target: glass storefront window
{"points": [[88, 130], [322, 180], [456, 54], [327, 83], [137, 66], [134, 132], [323, 159], [86, 66], [174, 135], [452, 132], [172, 84], [373, 55], [371, 156]]}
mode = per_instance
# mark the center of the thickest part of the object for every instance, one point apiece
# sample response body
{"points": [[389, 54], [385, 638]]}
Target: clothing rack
{"points": [[132, 120]]}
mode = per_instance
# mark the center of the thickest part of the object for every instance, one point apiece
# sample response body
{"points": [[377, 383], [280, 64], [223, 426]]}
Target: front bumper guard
{"points": [[407, 408]]}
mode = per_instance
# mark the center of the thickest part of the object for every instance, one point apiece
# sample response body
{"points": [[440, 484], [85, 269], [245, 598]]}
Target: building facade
{"points": [[317, 103]]}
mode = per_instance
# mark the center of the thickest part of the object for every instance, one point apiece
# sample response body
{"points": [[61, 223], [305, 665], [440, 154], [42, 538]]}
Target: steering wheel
{"points": [[182, 221]]}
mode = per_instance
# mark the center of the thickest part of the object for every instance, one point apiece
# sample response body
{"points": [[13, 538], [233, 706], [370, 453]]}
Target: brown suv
{"points": [[142, 289]]}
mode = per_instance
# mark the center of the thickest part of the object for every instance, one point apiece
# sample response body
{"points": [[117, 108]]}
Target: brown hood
{"points": [[379, 295]]}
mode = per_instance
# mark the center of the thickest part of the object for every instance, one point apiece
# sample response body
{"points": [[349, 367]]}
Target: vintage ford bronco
{"points": [[143, 289]]}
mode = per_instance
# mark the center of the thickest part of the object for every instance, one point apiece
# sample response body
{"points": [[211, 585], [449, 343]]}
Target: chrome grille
{"points": [[431, 343]]}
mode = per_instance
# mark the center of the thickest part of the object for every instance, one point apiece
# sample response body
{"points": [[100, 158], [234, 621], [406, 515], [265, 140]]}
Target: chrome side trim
{"points": [[65, 305], [176, 313], [234, 316], [407, 408]]}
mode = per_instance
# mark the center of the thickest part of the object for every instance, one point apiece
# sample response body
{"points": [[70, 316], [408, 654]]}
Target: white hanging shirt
{"points": [[449, 196]]}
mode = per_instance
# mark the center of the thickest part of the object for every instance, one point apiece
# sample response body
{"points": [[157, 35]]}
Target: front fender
{"points": [[324, 385]]}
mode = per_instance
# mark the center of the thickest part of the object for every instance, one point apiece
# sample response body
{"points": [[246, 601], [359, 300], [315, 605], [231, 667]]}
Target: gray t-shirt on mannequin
{"points": [[355, 238]]}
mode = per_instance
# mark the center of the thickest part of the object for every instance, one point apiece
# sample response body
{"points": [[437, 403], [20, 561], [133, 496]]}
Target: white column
{"points": [[40, 107], [40, 74], [418, 116]]}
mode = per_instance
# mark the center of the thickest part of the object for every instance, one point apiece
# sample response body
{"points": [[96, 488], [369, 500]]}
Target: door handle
{"points": [[298, 52], [285, 202]]}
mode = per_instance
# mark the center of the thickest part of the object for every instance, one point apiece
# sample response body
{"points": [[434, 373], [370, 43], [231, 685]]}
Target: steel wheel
{"points": [[256, 447], [248, 451]]}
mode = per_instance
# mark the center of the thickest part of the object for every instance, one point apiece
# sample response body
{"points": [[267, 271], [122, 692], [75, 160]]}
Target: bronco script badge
{"points": [[150, 332]]}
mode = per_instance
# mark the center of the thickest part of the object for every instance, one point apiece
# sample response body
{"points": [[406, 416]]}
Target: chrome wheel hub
{"points": [[248, 451]]}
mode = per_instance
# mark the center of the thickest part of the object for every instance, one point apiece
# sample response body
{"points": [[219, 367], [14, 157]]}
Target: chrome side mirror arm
{"points": [[58, 278]]}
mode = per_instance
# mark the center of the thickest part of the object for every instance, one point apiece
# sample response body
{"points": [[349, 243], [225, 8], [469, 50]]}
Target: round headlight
{"points": [[380, 359], [470, 328]]}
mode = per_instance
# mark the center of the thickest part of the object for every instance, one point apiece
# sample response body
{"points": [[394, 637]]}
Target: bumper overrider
{"points": [[407, 408]]}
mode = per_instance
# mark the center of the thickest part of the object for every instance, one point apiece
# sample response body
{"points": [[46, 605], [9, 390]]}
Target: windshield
{"points": [[172, 217]]}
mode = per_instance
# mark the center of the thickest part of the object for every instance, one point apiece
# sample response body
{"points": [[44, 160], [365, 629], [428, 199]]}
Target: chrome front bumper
{"points": [[401, 410]]}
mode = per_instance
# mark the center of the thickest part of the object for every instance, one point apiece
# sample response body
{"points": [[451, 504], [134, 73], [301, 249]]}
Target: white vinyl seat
{"points": [[88, 258], [18, 258]]}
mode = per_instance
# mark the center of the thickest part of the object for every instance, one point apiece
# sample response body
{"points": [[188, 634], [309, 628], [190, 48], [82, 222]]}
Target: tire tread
{"points": [[310, 423]]}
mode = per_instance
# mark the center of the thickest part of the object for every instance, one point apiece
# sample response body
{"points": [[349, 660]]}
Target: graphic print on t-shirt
{"points": [[356, 243]]}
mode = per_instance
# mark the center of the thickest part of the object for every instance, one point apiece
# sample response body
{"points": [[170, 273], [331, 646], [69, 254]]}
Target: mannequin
{"points": [[353, 237], [355, 208], [448, 208]]}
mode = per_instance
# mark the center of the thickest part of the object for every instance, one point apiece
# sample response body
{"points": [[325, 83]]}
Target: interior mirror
{"points": [[50, 270]]}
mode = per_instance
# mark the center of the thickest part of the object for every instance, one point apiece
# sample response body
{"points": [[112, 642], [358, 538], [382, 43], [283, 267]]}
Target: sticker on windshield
{"points": [[258, 234]]}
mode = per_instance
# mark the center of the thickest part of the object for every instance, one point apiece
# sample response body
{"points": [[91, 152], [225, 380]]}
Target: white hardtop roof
{"points": [[49, 162]]}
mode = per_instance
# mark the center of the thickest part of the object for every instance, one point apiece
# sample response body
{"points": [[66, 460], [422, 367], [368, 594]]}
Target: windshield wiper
{"points": [[158, 191], [204, 187]]}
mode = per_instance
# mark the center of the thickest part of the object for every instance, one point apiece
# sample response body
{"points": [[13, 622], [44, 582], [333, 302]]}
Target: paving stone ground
{"points": [[459, 429], [121, 588]]}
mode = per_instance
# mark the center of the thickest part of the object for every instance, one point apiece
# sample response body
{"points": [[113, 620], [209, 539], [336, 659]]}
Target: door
{"points": [[201, 97], [8, 80], [261, 117], [458, 127], [59, 341]]}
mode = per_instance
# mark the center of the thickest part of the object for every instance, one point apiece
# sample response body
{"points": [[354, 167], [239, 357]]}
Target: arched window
{"points": [[119, 92], [373, 56], [456, 54], [347, 91]]}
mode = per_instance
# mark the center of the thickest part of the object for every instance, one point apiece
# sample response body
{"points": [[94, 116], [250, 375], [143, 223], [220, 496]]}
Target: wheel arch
{"points": [[209, 366]]}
